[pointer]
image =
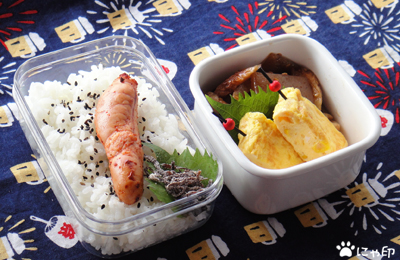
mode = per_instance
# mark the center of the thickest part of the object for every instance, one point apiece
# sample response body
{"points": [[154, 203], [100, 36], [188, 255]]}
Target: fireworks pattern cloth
{"points": [[364, 36]]}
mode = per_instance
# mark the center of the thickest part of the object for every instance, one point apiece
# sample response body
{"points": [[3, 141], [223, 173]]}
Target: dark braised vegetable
{"points": [[287, 72], [279, 64]]}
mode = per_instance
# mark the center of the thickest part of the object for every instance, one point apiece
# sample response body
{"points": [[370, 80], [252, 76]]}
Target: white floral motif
{"points": [[6, 74], [145, 21], [369, 201], [380, 25]]}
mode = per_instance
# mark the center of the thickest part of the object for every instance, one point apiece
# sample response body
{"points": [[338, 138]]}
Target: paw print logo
{"points": [[345, 249]]}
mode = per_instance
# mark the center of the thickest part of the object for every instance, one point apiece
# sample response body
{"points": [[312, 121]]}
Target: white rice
{"points": [[68, 126]]}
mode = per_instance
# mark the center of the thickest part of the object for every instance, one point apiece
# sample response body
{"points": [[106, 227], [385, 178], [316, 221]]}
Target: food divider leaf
{"points": [[159, 190], [162, 156], [206, 163], [263, 102]]}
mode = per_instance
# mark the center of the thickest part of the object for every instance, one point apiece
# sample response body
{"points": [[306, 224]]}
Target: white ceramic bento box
{"points": [[266, 191], [102, 230]]}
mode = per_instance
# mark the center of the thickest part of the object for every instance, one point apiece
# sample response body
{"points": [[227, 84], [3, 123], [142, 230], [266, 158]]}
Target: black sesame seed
{"points": [[92, 185], [138, 205], [85, 178], [76, 83], [97, 173], [115, 238], [63, 120], [151, 199], [52, 105], [91, 158], [88, 94], [103, 206], [143, 99], [143, 119], [121, 79], [95, 150], [44, 121]]}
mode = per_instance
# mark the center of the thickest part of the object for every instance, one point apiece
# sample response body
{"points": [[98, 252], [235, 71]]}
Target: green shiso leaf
{"points": [[159, 190], [162, 156], [263, 102], [205, 163]]}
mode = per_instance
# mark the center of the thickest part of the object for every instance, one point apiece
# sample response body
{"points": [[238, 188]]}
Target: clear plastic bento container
{"points": [[102, 237]]}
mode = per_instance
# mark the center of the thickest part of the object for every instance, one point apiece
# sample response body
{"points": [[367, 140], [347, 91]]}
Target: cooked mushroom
{"points": [[230, 84]]}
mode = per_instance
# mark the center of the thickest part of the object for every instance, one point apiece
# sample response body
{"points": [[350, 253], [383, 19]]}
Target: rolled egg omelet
{"points": [[264, 145], [303, 125]]}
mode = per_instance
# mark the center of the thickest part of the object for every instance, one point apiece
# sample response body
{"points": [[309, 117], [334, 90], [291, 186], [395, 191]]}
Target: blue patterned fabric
{"points": [[363, 35]]}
